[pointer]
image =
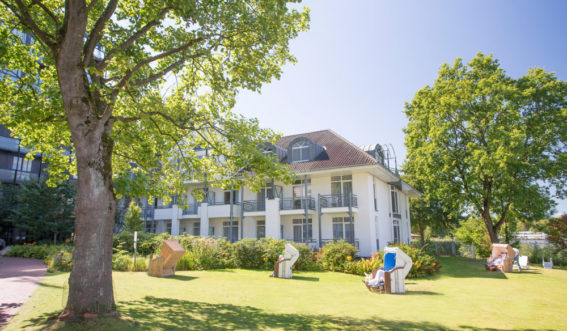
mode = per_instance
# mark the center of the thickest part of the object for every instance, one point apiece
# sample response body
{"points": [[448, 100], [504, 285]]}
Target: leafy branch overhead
{"points": [[166, 73]]}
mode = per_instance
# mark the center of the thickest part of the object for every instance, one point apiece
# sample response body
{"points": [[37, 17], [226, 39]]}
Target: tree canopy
{"points": [[487, 144], [45, 212], [123, 92]]}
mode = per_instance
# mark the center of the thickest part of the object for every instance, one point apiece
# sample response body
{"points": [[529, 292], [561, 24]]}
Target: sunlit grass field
{"points": [[463, 296]]}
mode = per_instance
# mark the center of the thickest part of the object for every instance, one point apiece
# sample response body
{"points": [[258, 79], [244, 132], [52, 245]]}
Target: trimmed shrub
{"points": [[42, 252], [205, 253], [308, 260], [62, 261], [248, 254], [148, 243], [423, 263], [362, 266], [335, 255]]}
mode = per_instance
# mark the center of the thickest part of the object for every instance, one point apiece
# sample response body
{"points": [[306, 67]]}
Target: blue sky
{"points": [[362, 60]]}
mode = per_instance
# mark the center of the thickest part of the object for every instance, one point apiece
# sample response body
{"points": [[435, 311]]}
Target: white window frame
{"points": [[303, 149]]}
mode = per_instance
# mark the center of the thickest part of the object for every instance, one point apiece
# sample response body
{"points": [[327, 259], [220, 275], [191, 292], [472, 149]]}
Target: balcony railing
{"points": [[220, 203], [254, 205], [297, 203], [338, 200], [191, 210], [169, 205]]}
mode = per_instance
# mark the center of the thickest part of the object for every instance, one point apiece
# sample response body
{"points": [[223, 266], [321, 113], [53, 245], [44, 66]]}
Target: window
{"points": [[396, 230], [342, 228], [168, 227], [197, 229], [21, 164], [211, 230], [341, 185], [299, 192], [395, 208], [227, 197], [260, 229], [226, 230], [341, 189], [302, 231], [301, 151]]}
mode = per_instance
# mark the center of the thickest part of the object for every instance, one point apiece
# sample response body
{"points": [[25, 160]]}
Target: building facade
{"points": [[341, 191]]}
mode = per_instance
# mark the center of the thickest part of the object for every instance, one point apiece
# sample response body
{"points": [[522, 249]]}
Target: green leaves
{"points": [[209, 49], [488, 143]]}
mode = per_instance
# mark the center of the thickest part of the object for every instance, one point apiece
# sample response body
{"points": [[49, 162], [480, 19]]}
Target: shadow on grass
{"points": [[182, 277], [309, 279], [410, 292], [50, 285], [174, 314]]}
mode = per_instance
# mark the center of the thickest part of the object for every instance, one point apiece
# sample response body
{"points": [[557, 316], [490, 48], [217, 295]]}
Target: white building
{"points": [[338, 187]]}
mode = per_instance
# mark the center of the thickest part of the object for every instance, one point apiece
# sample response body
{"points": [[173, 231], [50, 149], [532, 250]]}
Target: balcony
{"points": [[254, 205], [221, 209], [193, 209], [338, 203], [297, 203], [338, 200]]}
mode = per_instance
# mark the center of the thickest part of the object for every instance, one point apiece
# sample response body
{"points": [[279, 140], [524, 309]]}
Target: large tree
{"points": [[489, 144], [144, 83]]}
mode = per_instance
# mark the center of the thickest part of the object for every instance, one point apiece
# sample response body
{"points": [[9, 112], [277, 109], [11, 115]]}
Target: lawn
{"points": [[463, 296]]}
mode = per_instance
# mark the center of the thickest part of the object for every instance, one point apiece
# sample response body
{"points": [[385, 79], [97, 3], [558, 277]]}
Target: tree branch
{"points": [[95, 34], [161, 73], [91, 5], [26, 19], [154, 58], [122, 47], [47, 11]]}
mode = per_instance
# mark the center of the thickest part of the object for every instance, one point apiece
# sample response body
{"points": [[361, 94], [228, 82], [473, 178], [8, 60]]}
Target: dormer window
{"points": [[302, 149], [301, 152]]}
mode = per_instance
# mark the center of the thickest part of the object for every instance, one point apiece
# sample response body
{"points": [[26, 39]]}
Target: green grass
{"points": [[463, 296]]}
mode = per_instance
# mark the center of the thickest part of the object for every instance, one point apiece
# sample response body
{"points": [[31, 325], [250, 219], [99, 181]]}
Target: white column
{"points": [[204, 209], [175, 220], [273, 222]]}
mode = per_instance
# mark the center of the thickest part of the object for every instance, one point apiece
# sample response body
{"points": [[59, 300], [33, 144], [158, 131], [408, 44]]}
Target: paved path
{"points": [[18, 279]]}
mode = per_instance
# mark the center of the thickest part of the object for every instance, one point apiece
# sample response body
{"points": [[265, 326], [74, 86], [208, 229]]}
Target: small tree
{"points": [[557, 232], [133, 219], [472, 232], [44, 211]]}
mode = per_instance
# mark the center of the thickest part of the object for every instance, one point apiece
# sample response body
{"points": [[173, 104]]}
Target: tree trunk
{"points": [[421, 234], [492, 231], [90, 282]]}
